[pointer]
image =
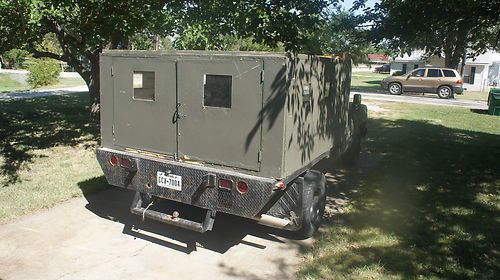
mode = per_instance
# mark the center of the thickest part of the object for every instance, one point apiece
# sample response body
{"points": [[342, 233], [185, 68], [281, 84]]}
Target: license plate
{"points": [[170, 181]]}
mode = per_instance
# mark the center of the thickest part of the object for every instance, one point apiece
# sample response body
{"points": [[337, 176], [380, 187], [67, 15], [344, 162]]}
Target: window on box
{"points": [[217, 91], [144, 85]]}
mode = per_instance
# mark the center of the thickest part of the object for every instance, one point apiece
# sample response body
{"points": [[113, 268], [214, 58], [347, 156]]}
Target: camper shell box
{"points": [[174, 124]]}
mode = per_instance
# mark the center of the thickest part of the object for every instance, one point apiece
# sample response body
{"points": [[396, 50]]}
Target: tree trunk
{"points": [[94, 86], [451, 59], [462, 65], [91, 77]]}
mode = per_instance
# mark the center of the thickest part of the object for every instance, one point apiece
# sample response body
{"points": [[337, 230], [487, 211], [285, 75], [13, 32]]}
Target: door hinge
{"points": [[259, 156], [112, 71], [262, 76]]}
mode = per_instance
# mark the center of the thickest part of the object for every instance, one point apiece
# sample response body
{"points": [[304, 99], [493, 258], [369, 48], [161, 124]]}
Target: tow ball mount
{"points": [[204, 226]]}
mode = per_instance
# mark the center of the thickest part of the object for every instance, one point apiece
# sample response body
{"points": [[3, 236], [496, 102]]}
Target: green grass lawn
{"points": [[7, 84], [47, 147], [367, 82], [424, 202], [473, 95]]}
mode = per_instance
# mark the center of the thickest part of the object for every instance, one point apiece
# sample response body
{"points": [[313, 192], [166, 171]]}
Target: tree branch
{"points": [[40, 54]]}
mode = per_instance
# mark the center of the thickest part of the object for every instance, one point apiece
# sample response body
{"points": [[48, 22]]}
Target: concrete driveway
{"points": [[96, 237]]}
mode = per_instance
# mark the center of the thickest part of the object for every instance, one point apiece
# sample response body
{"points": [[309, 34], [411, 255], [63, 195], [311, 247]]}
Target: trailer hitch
{"points": [[173, 219]]}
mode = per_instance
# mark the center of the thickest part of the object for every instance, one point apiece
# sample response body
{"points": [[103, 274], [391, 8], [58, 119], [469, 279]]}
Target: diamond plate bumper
{"points": [[199, 186]]}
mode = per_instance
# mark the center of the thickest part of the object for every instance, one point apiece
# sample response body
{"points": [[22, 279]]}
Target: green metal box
{"points": [[494, 102], [282, 112], [227, 132]]}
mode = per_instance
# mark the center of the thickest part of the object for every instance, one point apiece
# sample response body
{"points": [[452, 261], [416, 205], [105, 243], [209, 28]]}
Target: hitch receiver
{"points": [[206, 225]]}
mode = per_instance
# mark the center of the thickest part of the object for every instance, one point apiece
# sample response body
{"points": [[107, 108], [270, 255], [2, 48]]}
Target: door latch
{"points": [[176, 115]]}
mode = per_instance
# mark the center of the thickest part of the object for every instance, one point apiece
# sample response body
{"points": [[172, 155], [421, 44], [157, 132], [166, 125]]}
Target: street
{"points": [[430, 99]]}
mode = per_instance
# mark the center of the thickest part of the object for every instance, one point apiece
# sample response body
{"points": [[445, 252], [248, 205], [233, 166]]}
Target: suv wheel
{"points": [[444, 92], [395, 89]]}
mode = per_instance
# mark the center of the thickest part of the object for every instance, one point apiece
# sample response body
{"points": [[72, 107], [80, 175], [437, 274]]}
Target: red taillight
{"points": [[113, 160], [225, 184], [125, 163], [459, 82], [242, 187], [279, 186]]}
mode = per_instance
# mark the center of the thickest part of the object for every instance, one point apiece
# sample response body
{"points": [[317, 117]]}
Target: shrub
{"points": [[14, 59], [43, 72]]}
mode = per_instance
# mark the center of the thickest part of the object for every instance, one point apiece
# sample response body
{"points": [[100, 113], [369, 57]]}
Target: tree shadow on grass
{"points": [[429, 208], [40, 123]]}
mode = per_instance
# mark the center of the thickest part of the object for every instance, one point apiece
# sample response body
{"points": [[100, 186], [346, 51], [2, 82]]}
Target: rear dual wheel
{"points": [[313, 202]]}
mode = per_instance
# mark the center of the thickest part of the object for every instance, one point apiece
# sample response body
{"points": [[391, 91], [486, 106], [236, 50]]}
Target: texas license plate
{"points": [[170, 181]]}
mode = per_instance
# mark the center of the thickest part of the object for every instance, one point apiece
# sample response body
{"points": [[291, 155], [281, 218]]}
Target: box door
{"points": [[220, 102], [144, 102]]}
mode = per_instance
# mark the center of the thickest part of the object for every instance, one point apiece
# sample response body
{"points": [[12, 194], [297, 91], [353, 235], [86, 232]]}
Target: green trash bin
{"points": [[494, 102]]}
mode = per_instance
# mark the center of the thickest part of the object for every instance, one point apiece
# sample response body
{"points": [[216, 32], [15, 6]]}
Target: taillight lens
{"points": [[113, 160], [225, 184], [125, 163], [242, 187], [459, 82], [279, 186]]}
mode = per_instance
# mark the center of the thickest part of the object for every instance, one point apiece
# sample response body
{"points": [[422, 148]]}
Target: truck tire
{"points": [[313, 203]]}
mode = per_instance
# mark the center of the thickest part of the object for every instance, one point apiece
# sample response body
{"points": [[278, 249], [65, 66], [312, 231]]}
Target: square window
{"points": [[217, 91], [144, 85], [434, 73]]}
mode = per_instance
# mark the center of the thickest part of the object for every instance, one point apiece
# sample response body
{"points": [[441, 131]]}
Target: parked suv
{"points": [[386, 68], [442, 81]]}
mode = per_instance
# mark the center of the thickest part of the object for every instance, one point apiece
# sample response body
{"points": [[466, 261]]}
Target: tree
{"points": [[84, 28], [454, 29], [342, 33]]}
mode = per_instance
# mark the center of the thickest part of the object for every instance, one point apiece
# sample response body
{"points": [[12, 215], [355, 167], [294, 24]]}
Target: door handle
{"points": [[176, 115]]}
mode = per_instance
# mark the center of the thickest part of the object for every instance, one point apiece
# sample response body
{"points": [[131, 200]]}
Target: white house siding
{"points": [[410, 65], [494, 74], [480, 77]]}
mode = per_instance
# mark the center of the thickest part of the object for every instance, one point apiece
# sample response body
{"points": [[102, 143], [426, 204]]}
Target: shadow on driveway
{"points": [[114, 204]]}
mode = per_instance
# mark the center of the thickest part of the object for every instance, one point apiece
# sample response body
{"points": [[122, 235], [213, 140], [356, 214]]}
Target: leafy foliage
{"points": [[43, 72], [205, 23], [342, 34], [83, 28], [15, 58], [453, 28]]}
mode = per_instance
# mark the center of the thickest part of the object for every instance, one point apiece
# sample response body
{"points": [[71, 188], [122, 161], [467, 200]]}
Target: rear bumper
{"points": [[200, 187], [458, 90]]}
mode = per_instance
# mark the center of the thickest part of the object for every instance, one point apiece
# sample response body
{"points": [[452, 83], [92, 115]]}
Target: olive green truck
{"points": [[226, 132]]}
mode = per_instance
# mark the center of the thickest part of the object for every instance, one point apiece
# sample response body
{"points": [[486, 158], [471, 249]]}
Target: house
{"points": [[377, 59], [478, 74]]}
